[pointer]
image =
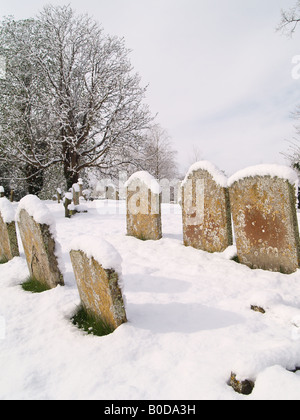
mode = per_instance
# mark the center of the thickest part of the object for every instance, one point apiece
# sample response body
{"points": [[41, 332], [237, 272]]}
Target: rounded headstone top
{"points": [[147, 179], [272, 170], [218, 176]]}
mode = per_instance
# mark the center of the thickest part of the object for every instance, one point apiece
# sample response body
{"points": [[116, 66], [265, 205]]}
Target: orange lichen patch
{"points": [[206, 213], [265, 228]]}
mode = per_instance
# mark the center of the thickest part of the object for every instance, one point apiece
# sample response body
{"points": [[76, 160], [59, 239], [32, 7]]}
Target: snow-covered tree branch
{"points": [[70, 96]]}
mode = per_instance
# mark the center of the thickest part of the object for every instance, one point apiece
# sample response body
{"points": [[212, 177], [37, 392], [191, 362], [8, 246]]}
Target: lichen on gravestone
{"points": [[8, 237], [241, 387], [97, 273], [206, 209], [263, 202], [143, 207], [37, 231]]}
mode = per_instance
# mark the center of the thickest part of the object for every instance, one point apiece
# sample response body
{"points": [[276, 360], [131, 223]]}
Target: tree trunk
{"points": [[35, 180], [70, 168]]}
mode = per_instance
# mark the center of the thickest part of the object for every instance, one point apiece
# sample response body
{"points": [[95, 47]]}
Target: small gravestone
{"points": [[97, 269], [80, 183], [59, 195], [37, 230], [8, 237], [111, 192], [263, 202], [76, 194], [206, 209], [143, 207]]}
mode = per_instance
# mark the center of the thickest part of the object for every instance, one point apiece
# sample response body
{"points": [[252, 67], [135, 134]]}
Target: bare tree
{"points": [[288, 25], [290, 19], [195, 155], [159, 156]]}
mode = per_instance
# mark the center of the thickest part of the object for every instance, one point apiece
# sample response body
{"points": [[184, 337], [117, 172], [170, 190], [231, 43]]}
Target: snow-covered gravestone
{"points": [[206, 209], [97, 269], [8, 237], [143, 207], [263, 203], [37, 230], [76, 193]]}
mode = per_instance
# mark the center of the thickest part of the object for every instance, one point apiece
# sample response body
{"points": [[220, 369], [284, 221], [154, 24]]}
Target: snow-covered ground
{"points": [[190, 323]]}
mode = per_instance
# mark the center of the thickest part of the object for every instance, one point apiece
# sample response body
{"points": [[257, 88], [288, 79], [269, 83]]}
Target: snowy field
{"points": [[190, 323]]}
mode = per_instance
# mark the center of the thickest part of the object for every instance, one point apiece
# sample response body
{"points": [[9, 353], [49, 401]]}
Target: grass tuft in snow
{"points": [[34, 286], [91, 324], [3, 260]]}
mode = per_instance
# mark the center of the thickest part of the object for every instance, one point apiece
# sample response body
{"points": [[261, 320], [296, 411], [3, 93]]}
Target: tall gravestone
{"points": [[263, 202], [143, 207], [8, 236], [206, 209], [97, 269], [37, 230]]}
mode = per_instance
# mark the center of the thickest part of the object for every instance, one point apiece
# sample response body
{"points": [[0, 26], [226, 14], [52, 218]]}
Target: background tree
{"points": [[86, 105], [288, 25], [158, 155], [290, 19]]}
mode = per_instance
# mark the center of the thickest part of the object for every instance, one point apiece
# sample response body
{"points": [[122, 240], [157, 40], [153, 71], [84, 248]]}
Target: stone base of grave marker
{"points": [[99, 289]]}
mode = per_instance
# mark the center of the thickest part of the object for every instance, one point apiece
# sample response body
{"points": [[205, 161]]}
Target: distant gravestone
{"points": [[8, 237], [111, 192], [76, 194], [263, 202], [37, 230], [97, 269], [143, 207], [206, 209]]}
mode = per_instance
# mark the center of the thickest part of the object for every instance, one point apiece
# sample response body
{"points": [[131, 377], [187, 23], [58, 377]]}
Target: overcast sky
{"points": [[219, 75]]}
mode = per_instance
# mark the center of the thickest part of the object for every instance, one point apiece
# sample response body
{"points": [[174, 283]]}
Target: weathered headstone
{"points": [[76, 194], [143, 207], [263, 203], [67, 203], [97, 269], [206, 209], [8, 237], [37, 230]]}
